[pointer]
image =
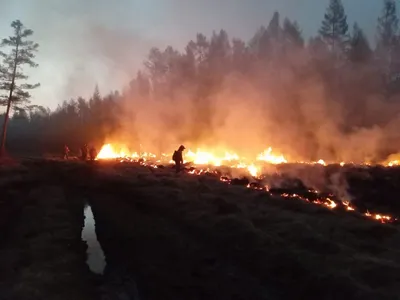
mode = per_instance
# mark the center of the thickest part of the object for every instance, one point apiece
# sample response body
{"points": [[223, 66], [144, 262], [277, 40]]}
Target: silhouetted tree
{"points": [[360, 51], [292, 33], [288, 75], [388, 40], [334, 29], [96, 94], [22, 53]]}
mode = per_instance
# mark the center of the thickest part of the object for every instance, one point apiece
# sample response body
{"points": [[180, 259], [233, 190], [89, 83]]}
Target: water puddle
{"points": [[95, 255]]}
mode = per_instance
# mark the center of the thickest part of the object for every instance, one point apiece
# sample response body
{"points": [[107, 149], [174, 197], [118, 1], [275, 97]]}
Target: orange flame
{"points": [[231, 159]]}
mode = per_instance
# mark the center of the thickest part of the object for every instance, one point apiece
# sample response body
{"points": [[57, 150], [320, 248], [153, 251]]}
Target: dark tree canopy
{"points": [[334, 28], [21, 52], [388, 25], [388, 45], [360, 50]]}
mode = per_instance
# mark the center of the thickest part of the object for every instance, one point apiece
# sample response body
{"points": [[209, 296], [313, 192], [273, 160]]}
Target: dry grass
{"points": [[41, 255], [287, 247], [189, 237]]}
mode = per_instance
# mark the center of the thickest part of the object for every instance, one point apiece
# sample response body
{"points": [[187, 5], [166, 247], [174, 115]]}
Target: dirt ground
{"points": [[169, 236]]}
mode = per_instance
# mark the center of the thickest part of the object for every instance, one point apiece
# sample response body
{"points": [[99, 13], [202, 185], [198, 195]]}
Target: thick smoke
{"points": [[247, 114], [302, 117]]}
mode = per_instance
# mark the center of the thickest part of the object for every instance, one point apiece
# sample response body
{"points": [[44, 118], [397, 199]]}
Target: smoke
{"points": [[301, 118], [339, 186]]}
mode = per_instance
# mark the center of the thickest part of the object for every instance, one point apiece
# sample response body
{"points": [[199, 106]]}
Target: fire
{"points": [[109, 151], [201, 157], [198, 157], [231, 159], [347, 205], [267, 156], [393, 160], [330, 203], [253, 170], [219, 158], [393, 163]]}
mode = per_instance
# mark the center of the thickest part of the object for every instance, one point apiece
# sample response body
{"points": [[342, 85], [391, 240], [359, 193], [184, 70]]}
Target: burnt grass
{"points": [[169, 236]]}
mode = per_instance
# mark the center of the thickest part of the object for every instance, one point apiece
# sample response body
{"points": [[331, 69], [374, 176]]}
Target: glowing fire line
{"points": [[232, 160], [201, 157]]}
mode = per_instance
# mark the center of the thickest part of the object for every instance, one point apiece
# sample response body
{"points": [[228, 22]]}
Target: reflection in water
{"points": [[95, 256]]}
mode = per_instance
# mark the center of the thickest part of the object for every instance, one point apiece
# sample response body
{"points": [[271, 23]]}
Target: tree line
{"points": [[277, 61]]}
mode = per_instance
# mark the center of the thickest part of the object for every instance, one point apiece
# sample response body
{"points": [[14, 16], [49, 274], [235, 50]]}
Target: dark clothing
{"points": [[177, 166], [66, 152], [92, 154], [84, 151], [178, 158]]}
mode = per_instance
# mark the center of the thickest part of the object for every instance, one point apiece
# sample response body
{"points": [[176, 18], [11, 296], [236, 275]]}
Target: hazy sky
{"points": [[88, 41]]}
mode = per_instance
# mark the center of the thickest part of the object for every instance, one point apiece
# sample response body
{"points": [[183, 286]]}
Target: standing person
{"points": [[84, 152], [66, 152], [177, 157], [92, 153]]}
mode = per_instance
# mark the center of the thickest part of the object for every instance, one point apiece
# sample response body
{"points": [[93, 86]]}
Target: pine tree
{"points": [[274, 29], [266, 43], [22, 53], [388, 24], [292, 33], [334, 29], [388, 27], [360, 50], [96, 94]]}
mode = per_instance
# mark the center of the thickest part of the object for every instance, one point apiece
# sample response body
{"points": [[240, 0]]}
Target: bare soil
{"points": [[169, 236]]}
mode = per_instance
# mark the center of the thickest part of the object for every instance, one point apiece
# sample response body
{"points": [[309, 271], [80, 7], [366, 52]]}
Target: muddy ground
{"points": [[168, 236]]}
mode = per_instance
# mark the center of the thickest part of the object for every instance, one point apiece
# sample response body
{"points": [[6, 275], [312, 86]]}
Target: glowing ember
{"points": [[347, 204], [330, 203]]}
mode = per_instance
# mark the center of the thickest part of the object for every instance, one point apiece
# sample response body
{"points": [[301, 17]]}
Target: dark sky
{"points": [[88, 41]]}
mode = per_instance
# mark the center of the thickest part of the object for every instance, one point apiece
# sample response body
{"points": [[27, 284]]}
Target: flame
{"points": [[393, 160], [267, 156], [253, 170], [348, 206], [109, 151], [201, 157], [219, 158], [393, 163], [231, 159], [198, 157]]}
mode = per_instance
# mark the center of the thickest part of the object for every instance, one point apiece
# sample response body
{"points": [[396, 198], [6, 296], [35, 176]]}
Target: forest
{"points": [[333, 96]]}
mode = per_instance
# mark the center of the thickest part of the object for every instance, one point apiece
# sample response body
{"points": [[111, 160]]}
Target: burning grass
{"points": [[206, 163]]}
